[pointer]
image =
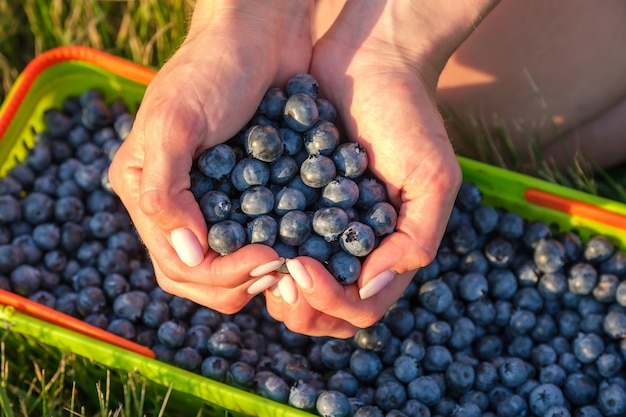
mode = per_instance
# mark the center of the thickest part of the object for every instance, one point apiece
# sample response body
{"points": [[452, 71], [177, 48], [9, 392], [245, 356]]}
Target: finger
{"points": [[302, 318], [343, 302]]}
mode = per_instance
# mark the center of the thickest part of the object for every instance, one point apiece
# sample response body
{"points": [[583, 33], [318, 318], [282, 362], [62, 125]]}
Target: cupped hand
{"points": [[387, 103], [201, 97]]}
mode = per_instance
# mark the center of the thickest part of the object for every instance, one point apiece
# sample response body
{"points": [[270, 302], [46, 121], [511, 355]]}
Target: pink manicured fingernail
{"points": [[262, 284], [299, 273], [288, 290], [267, 268], [187, 246], [377, 283]]}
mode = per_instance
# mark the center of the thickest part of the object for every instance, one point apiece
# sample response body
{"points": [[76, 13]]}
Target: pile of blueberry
{"points": [[512, 318], [289, 181]]}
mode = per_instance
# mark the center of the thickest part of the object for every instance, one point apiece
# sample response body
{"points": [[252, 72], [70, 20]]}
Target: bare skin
{"points": [[382, 75], [566, 51]]}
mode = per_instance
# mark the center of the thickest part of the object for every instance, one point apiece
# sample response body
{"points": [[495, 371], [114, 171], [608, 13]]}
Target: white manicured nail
{"points": [[377, 283], [299, 273], [267, 268], [262, 284], [187, 246], [275, 290], [288, 290]]}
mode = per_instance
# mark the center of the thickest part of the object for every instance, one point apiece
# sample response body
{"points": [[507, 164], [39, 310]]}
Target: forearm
{"points": [[417, 30], [268, 17]]}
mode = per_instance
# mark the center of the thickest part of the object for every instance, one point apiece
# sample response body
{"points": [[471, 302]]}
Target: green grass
{"points": [[38, 380]]}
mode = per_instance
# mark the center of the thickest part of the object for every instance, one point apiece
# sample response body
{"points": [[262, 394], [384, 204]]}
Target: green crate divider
{"points": [[222, 397]]}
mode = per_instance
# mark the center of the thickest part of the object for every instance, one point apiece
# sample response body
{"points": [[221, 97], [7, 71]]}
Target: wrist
{"points": [[267, 18], [416, 32]]}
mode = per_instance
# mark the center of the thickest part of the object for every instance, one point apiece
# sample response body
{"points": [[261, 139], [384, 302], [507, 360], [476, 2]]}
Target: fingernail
{"points": [[288, 290], [262, 284], [267, 268], [275, 290], [377, 283], [299, 273], [187, 246]]}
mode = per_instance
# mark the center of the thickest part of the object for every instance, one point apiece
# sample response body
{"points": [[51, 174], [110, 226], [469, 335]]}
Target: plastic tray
{"points": [[71, 70]]}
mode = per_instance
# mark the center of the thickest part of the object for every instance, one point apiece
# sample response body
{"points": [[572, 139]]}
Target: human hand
{"points": [[203, 95], [385, 89]]}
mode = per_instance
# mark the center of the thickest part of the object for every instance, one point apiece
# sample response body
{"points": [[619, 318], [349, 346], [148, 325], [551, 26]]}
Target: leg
{"points": [[571, 50]]}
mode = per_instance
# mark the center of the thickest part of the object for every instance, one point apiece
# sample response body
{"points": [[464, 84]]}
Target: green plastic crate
{"points": [[71, 70]]}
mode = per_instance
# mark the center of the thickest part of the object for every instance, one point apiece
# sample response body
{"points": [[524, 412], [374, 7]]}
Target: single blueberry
{"points": [[257, 200], [294, 228], [215, 206], [322, 139], [263, 142], [302, 83], [262, 229], [342, 192]]}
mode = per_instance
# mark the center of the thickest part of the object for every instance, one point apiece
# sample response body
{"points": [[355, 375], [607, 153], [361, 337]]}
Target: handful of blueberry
{"points": [[289, 181]]}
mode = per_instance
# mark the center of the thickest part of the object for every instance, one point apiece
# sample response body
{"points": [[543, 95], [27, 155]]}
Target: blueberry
{"points": [[535, 233], [57, 123], [400, 320], [271, 386], [96, 114], [240, 375], [549, 256], [287, 199], [376, 337], [293, 142], [155, 313], [511, 225], [344, 382], [322, 139], [342, 192], [217, 161], [214, 367], [365, 365], [187, 358], [303, 396], [606, 288], [612, 400], [330, 222], [263, 142], [310, 193], [332, 404], [25, 280], [225, 342], [130, 305], [499, 252], [283, 170], [257, 200], [37, 208], [90, 300], [123, 328], [597, 249], [464, 239], [302, 83], [437, 358], [215, 206], [273, 102], [502, 284], [114, 284], [582, 278], [171, 334], [226, 237], [200, 184], [262, 229], [435, 296], [382, 218], [512, 406], [345, 267], [390, 395], [326, 110], [317, 248], [358, 239], [615, 324], [317, 171], [370, 192], [294, 228]]}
